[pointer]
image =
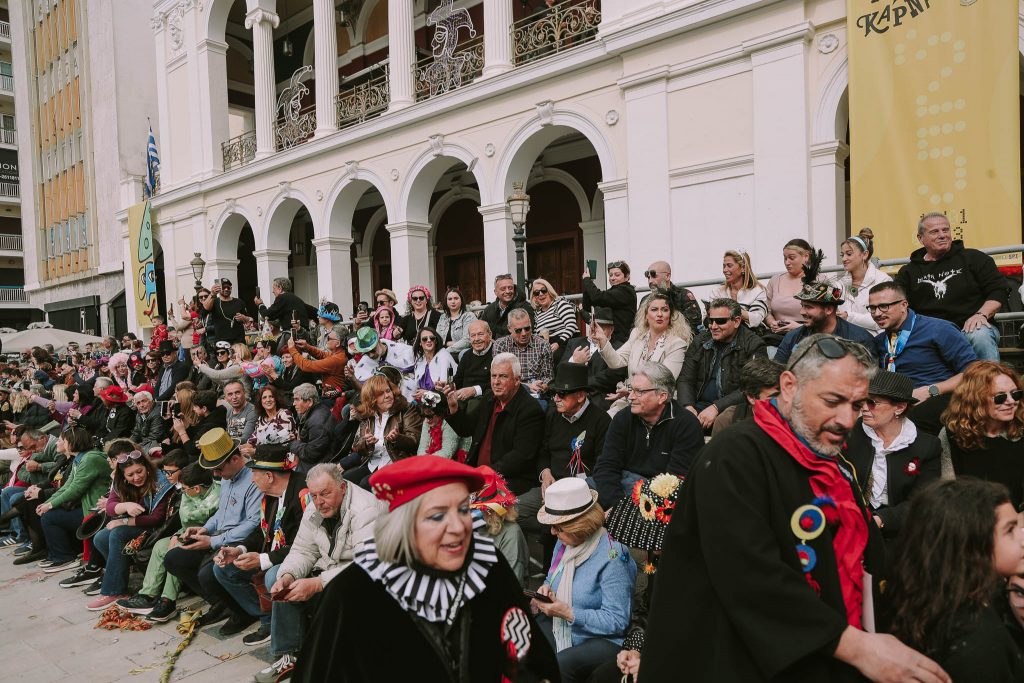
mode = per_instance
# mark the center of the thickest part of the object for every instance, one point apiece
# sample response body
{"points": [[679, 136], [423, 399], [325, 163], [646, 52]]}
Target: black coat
{"points": [[602, 379], [408, 325], [118, 422], [294, 505], [515, 445], [731, 602], [700, 359], [284, 307], [217, 418], [903, 481], [316, 437], [179, 370], [497, 317], [474, 370], [360, 634], [621, 299]]}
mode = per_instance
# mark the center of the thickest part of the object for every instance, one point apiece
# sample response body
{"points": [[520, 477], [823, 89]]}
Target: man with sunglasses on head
{"points": [[533, 352], [506, 299], [226, 314], [710, 379], [931, 352], [659, 276], [765, 566], [819, 302]]}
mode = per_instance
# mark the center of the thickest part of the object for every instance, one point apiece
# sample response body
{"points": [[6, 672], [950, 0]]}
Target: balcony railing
{"points": [[560, 27], [5, 30], [438, 74], [8, 136], [10, 190], [6, 82], [11, 243], [239, 150], [295, 128], [364, 100], [13, 295]]}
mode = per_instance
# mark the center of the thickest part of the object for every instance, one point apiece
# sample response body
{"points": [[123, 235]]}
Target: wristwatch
{"points": [[933, 390]]}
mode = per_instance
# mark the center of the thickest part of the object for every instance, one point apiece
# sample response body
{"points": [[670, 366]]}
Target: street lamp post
{"points": [[519, 205], [198, 266]]}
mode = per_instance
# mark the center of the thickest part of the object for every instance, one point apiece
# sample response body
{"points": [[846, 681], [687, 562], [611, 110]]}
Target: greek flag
{"points": [[152, 165]]}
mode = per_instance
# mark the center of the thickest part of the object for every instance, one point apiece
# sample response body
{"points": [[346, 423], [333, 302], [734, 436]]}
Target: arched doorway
{"points": [[459, 250]]}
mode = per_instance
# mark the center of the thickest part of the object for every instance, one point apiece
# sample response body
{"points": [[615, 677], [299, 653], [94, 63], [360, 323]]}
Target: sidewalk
{"points": [[47, 635]]}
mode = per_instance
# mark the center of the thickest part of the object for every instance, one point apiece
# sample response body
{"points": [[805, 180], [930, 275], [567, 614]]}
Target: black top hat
{"points": [[570, 377], [91, 525], [892, 385], [166, 347], [602, 315], [273, 457]]}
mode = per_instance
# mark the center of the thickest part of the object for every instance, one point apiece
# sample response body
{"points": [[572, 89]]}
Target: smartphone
{"points": [[538, 596], [281, 595], [258, 292], [592, 267], [363, 307]]}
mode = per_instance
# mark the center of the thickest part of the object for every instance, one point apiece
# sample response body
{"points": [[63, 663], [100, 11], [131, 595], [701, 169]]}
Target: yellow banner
{"points": [[143, 267], [934, 120]]}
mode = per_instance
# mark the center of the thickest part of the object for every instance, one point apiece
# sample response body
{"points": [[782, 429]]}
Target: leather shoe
{"points": [[235, 625], [33, 556], [216, 613]]}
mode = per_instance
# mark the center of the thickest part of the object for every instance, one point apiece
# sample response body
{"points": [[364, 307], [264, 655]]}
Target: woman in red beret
{"points": [[426, 599]]}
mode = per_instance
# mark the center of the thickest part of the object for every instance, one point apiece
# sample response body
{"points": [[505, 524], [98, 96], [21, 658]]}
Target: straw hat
{"points": [[565, 500]]}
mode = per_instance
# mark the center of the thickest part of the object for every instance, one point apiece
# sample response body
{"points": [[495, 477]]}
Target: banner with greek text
{"points": [[142, 266], [934, 120]]}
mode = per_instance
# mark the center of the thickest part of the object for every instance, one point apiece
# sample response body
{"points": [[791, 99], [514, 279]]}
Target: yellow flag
{"points": [[934, 120]]}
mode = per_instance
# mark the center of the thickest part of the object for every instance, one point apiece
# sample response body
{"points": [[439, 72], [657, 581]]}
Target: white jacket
{"points": [[312, 547], [856, 307]]}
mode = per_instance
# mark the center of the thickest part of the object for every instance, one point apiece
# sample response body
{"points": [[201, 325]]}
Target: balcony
{"points": [[295, 127], [8, 136], [5, 31], [6, 81], [11, 243], [10, 190], [13, 295], [437, 74], [563, 26], [365, 100], [239, 150]]}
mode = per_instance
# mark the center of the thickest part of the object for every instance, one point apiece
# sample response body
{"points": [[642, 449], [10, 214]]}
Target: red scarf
{"points": [[850, 537]]}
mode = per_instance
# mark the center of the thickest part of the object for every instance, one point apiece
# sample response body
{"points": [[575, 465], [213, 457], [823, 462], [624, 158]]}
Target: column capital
{"points": [[272, 254], [332, 242], [492, 211], [364, 260], [834, 152], [408, 229], [592, 227], [259, 16], [613, 189]]}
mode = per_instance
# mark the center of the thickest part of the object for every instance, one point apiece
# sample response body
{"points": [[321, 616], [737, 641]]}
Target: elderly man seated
{"points": [[341, 517], [533, 352], [316, 428]]}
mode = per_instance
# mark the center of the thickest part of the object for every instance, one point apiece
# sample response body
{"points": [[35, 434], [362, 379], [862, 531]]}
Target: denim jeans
{"points": [[289, 620], [577, 662], [109, 543], [8, 497], [59, 526], [985, 341], [238, 584]]}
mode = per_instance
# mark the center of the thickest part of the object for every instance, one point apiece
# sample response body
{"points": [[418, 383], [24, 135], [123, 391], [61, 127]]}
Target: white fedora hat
{"points": [[566, 500]]}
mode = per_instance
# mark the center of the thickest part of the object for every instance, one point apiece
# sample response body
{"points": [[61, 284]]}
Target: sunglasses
{"points": [[224, 351], [417, 298], [884, 308], [1016, 395], [203, 297], [654, 273], [616, 264], [539, 292], [169, 471], [563, 394], [153, 361], [423, 340], [122, 458], [718, 321], [827, 346], [383, 302], [520, 330]]}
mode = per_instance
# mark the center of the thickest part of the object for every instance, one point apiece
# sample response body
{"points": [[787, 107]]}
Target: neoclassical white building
{"points": [[365, 143]]}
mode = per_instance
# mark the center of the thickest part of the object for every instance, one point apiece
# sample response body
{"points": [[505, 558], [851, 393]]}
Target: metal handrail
{"points": [[560, 27], [5, 29], [13, 295], [10, 190], [434, 76], [8, 136], [359, 102], [11, 242]]}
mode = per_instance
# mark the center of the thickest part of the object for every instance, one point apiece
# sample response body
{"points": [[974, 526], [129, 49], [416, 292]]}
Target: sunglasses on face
{"points": [[654, 273], [417, 298], [1016, 395], [222, 351], [203, 297], [563, 394], [122, 458], [383, 302], [884, 308], [718, 321], [520, 330], [171, 471], [539, 292], [872, 403], [424, 340]]}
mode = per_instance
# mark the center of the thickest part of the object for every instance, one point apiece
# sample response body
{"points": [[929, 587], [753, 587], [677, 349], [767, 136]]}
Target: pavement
{"points": [[47, 635]]}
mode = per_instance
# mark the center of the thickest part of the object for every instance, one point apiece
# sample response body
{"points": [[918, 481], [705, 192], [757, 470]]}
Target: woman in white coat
{"points": [[861, 275], [434, 365]]}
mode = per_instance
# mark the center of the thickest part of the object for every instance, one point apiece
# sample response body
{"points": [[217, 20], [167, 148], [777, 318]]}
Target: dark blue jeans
{"points": [[8, 497], [238, 584], [59, 526], [577, 662], [109, 543]]}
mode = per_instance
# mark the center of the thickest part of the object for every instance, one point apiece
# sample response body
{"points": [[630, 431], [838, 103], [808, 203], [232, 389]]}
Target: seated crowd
{"points": [[495, 491]]}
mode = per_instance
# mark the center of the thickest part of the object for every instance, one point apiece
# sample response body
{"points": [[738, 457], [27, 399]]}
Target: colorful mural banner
{"points": [[934, 120], [143, 265]]}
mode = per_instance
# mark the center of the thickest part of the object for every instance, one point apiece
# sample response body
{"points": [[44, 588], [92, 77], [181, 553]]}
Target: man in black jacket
{"points": [[315, 442], [945, 280], [654, 436], [174, 370], [601, 380], [506, 298], [273, 472], [473, 377], [710, 379], [287, 305], [508, 427]]}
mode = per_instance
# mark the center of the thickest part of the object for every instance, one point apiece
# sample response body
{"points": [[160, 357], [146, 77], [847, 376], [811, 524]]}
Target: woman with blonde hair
{"points": [[860, 276], [232, 371], [555, 314], [742, 286], [389, 430], [983, 427], [783, 308]]}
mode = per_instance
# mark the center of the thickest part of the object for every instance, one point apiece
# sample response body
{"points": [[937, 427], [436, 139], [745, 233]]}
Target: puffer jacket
{"points": [[700, 358], [315, 552]]}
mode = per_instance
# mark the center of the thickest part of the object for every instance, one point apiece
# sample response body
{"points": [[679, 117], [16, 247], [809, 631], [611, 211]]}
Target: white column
{"points": [[499, 250], [218, 268], [432, 271], [365, 264], [167, 170], [828, 194], [650, 209], [270, 263], [593, 248], [401, 53], [263, 22], [211, 72], [334, 270], [497, 37], [781, 155], [409, 252], [615, 194], [325, 45]]}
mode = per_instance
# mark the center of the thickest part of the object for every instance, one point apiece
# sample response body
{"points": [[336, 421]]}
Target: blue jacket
{"points": [[935, 350], [844, 330], [238, 512], [602, 592]]}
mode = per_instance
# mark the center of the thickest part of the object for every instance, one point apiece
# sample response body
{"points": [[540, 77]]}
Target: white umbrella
{"points": [[26, 339]]}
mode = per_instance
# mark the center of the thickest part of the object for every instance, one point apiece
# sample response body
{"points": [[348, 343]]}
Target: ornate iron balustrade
{"points": [[296, 129], [239, 150], [363, 100], [434, 75], [560, 27]]}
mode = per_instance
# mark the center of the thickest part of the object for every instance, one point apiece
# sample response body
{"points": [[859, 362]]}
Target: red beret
{"points": [[400, 482]]}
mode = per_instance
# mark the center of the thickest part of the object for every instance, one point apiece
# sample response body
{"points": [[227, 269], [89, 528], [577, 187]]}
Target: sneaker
{"points": [[8, 541], [102, 602], [95, 587], [82, 577], [164, 611], [55, 567], [235, 625], [23, 549], [45, 562], [137, 604], [257, 637], [31, 556], [278, 671]]}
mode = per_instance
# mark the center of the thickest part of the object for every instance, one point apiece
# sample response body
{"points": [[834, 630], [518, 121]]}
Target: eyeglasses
{"points": [[563, 394], [520, 330], [424, 340], [872, 403], [654, 273], [828, 346], [152, 361], [639, 392], [718, 321], [203, 297], [417, 298], [1016, 395], [220, 351], [170, 471], [539, 292], [884, 308], [122, 458], [383, 302]]}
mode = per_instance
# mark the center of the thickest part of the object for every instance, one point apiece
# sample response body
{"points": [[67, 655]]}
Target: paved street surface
{"points": [[47, 635]]}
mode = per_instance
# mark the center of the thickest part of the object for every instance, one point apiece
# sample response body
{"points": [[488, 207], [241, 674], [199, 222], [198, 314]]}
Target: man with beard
{"points": [[763, 575], [819, 302]]}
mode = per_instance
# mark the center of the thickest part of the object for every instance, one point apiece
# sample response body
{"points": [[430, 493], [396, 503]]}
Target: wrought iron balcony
{"points": [[364, 100], [442, 72], [295, 128], [559, 28], [239, 150]]}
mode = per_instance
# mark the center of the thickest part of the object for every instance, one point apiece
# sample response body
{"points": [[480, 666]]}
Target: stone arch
{"points": [[363, 22], [227, 229], [343, 198], [279, 216], [444, 202], [832, 115], [215, 19], [527, 143], [557, 175], [426, 170], [377, 221]]}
